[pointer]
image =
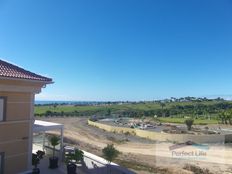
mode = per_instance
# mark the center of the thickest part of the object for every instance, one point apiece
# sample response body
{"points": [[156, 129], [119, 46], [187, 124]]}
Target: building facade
{"points": [[17, 91]]}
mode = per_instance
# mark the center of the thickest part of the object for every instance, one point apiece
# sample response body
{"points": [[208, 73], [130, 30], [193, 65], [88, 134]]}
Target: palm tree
{"points": [[162, 104]]}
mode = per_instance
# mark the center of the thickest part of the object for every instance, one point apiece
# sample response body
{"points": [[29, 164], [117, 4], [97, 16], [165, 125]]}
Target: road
{"points": [[144, 151]]}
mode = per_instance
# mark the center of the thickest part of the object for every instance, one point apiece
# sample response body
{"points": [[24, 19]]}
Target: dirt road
{"points": [[143, 151]]}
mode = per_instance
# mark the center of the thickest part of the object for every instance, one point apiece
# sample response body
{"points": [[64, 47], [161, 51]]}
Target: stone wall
{"points": [[179, 138]]}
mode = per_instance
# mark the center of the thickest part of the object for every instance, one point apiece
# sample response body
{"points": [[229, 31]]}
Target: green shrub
{"points": [[189, 123], [110, 153]]}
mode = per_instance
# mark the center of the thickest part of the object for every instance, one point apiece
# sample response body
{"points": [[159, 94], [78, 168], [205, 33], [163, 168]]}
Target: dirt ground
{"points": [[141, 155]]}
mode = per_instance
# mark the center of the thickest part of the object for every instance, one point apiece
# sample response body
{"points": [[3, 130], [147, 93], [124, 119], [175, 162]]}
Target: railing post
{"points": [[61, 144], [43, 139]]}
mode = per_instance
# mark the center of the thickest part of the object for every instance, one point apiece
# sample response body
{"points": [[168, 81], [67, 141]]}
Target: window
{"points": [[2, 108], [1, 162]]}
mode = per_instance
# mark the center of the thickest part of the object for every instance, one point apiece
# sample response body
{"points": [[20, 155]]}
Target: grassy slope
{"points": [[138, 107], [43, 109]]}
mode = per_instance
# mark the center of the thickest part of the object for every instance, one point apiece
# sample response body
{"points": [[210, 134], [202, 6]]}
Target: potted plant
{"points": [[72, 158], [35, 161], [53, 161]]}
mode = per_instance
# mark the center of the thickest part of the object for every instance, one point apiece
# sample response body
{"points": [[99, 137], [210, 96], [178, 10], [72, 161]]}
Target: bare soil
{"points": [[140, 155]]}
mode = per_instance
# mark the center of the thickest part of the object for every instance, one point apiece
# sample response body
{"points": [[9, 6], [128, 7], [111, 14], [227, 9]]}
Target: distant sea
{"points": [[66, 102]]}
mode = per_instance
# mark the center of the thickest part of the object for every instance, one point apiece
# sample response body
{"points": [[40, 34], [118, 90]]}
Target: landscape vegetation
{"points": [[202, 110], [136, 153]]}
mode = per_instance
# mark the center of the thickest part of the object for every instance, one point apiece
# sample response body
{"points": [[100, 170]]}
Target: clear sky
{"points": [[121, 49]]}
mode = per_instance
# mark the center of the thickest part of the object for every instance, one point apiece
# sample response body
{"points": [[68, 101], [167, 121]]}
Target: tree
{"points": [[110, 153], [55, 105], [221, 117], [108, 112], [143, 118], [189, 123], [162, 104], [53, 161], [225, 117], [229, 116]]}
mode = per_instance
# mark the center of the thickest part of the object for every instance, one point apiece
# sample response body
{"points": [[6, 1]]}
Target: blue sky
{"points": [[121, 49]]}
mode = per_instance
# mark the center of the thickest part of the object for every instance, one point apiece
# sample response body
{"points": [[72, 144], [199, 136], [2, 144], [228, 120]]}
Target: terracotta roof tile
{"points": [[13, 71]]}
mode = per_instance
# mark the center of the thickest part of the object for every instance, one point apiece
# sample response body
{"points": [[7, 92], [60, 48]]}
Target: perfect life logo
{"points": [[189, 150]]}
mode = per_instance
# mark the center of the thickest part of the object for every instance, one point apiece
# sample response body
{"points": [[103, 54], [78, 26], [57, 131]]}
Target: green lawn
{"points": [[65, 108], [71, 108]]}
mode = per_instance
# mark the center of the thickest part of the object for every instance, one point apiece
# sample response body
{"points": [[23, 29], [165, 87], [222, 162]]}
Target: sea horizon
{"points": [[42, 102]]}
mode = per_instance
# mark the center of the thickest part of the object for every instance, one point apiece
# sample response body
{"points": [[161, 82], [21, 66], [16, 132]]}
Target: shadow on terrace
{"points": [[91, 164]]}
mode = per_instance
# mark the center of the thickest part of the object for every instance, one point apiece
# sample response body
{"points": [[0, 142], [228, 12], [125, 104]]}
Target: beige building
{"points": [[17, 90]]}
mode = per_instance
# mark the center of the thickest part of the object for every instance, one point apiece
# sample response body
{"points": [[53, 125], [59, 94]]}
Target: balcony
{"points": [[92, 164]]}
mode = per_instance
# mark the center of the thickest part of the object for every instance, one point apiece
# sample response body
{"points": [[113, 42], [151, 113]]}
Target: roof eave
{"points": [[27, 80]]}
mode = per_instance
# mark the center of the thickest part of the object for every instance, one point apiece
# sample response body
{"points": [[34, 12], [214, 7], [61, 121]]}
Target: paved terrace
{"points": [[61, 170], [92, 165]]}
